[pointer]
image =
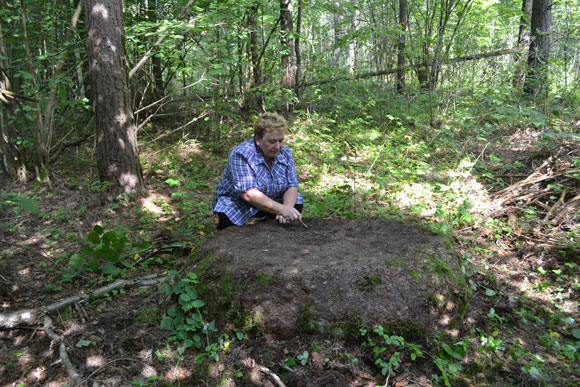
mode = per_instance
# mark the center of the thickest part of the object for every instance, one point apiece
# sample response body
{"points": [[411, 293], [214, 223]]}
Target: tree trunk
{"points": [[156, 65], [297, 48], [523, 41], [117, 152], [254, 96], [536, 83], [401, 45], [351, 54], [13, 159], [288, 58], [287, 30]]}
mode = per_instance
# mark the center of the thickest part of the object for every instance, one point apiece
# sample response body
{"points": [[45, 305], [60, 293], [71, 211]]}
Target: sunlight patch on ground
{"points": [[455, 186], [24, 272], [177, 373], [26, 358], [95, 361], [37, 374], [158, 205], [72, 327], [148, 371], [330, 180], [146, 355]]}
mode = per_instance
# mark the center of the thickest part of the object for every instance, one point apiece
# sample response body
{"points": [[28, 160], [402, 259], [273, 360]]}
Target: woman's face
{"points": [[271, 144]]}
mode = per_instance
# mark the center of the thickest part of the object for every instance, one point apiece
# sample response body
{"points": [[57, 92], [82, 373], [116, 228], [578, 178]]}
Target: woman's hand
{"points": [[288, 214]]}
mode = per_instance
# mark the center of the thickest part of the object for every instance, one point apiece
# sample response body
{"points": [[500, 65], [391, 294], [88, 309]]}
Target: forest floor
{"points": [[520, 326]]}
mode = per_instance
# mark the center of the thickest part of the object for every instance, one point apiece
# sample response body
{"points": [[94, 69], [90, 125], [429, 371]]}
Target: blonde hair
{"points": [[269, 122]]}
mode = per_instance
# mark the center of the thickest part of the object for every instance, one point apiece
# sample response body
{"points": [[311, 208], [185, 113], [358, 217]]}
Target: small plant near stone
{"points": [[369, 282], [185, 319], [387, 349], [265, 279]]}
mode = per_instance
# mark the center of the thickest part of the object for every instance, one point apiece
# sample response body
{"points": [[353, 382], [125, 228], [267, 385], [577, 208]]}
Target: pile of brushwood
{"points": [[545, 206]]}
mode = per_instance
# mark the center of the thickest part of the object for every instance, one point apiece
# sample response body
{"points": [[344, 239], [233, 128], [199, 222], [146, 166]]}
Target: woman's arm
{"points": [[287, 211]]}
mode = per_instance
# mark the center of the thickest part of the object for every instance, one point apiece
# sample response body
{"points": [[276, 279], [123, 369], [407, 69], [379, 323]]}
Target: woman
{"points": [[259, 178]]}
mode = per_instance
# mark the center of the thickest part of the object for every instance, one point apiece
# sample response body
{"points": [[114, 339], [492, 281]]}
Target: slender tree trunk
{"points": [[297, 47], [523, 41], [536, 83], [12, 158], [117, 152], [401, 45], [288, 56], [254, 96], [156, 63], [39, 131], [351, 54]]}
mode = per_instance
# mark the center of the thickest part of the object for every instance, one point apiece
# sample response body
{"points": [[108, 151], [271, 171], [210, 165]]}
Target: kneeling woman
{"points": [[259, 178]]}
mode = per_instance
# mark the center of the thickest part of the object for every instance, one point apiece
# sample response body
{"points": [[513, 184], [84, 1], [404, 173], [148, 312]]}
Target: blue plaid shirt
{"points": [[247, 168]]}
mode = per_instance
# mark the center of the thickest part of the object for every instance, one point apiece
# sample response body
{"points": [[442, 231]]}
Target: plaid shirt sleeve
{"points": [[241, 174]]}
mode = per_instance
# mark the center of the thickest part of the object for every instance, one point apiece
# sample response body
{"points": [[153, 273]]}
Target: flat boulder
{"points": [[287, 279]]}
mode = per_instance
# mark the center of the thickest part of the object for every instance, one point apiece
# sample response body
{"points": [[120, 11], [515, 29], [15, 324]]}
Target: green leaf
{"points": [[198, 304], [561, 135], [77, 261], [84, 343], [450, 351], [453, 368], [167, 323], [173, 182], [87, 250], [93, 263], [576, 333], [28, 204], [94, 238], [98, 229], [109, 237], [110, 269]]}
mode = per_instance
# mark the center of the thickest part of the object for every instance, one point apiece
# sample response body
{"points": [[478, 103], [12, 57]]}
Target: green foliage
{"points": [[388, 349], [18, 201], [106, 246], [185, 319]]}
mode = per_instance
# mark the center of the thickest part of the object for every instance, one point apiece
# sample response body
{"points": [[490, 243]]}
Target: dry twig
{"points": [[31, 316]]}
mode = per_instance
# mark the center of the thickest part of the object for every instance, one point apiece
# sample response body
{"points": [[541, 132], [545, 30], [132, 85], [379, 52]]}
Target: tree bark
{"points": [[351, 54], [288, 56], [536, 83], [117, 152], [401, 45], [13, 159], [287, 30], [156, 63], [523, 41], [254, 96], [297, 47]]}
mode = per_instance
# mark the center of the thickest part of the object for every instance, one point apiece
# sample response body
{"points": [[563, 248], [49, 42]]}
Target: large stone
{"points": [[373, 271]]}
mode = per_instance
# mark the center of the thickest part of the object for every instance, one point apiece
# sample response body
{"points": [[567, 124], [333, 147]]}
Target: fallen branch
{"points": [[72, 371], [32, 316], [417, 65], [251, 363]]}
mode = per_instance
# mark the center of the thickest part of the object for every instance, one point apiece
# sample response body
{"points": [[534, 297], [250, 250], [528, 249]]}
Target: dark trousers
{"points": [[225, 222]]}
